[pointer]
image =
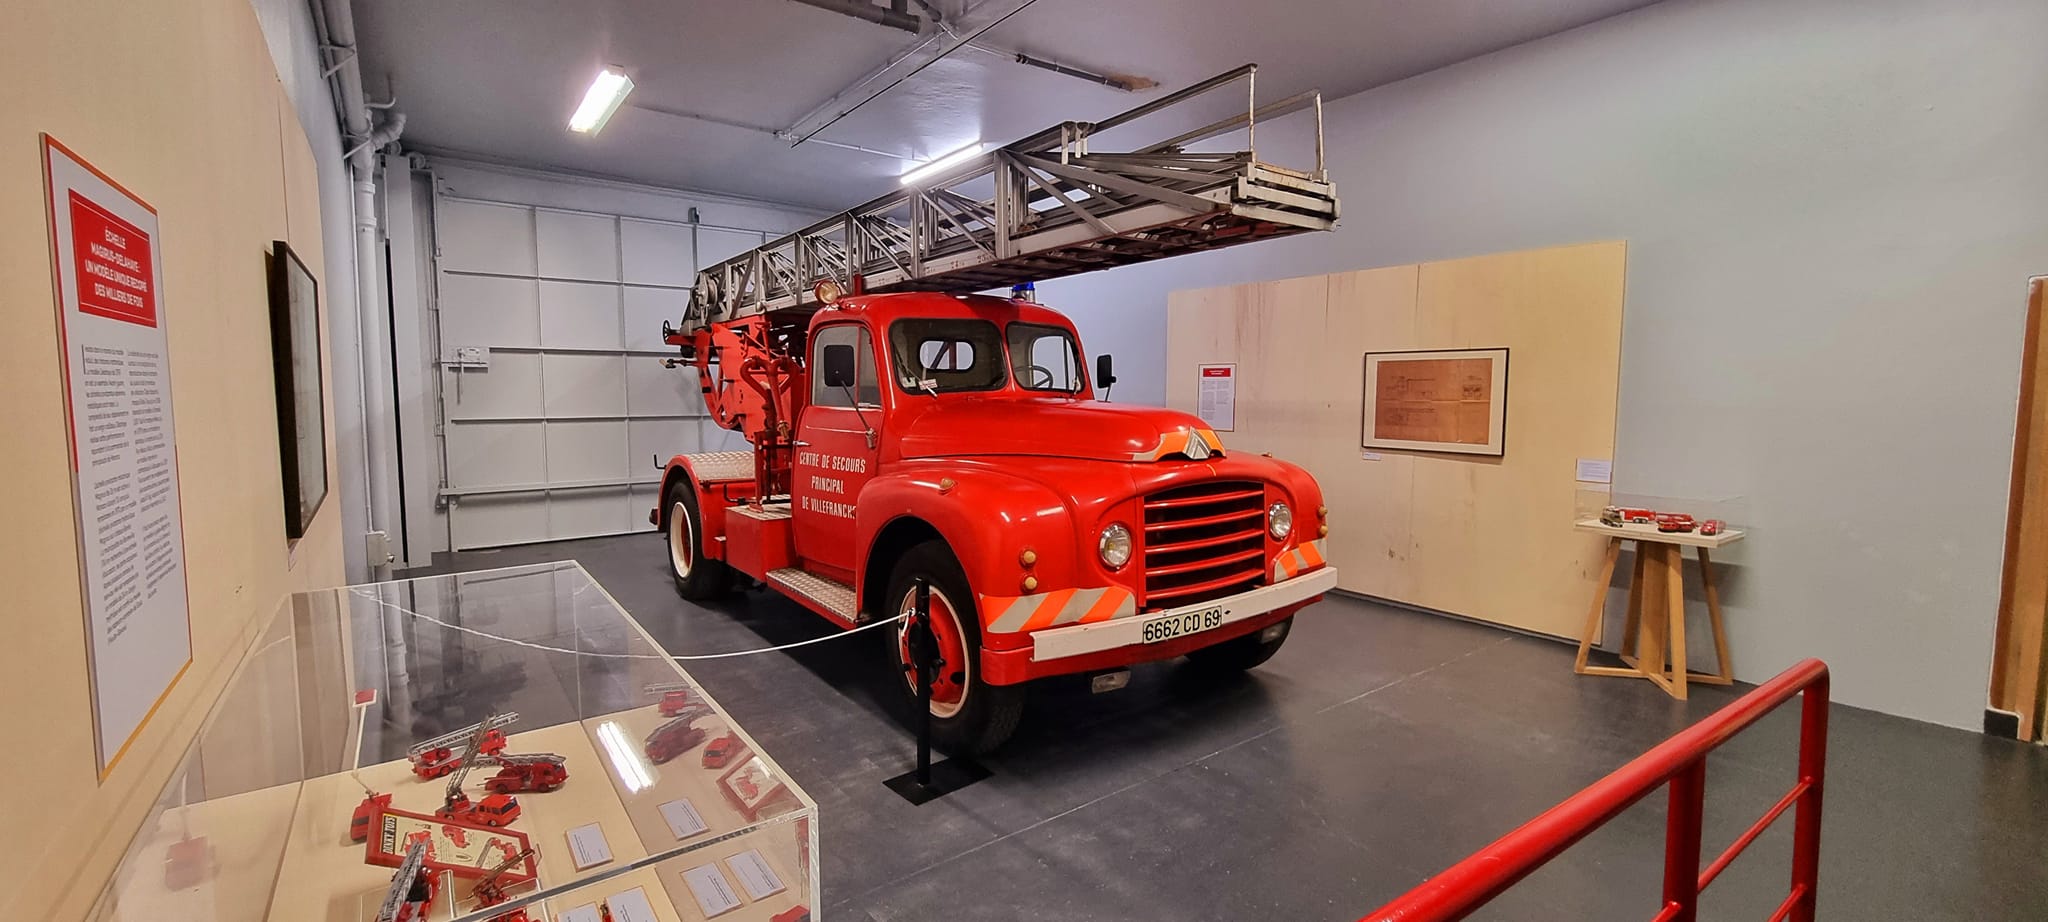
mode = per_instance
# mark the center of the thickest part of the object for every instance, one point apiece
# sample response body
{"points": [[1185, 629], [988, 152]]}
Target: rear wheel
{"points": [[1241, 653], [697, 577], [969, 716]]}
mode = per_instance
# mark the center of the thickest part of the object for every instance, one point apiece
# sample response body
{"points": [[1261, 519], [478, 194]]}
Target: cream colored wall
{"points": [[1489, 538], [180, 103]]}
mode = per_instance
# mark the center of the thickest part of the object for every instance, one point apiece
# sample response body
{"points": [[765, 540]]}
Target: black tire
{"points": [[1240, 653], [697, 577], [984, 715]]}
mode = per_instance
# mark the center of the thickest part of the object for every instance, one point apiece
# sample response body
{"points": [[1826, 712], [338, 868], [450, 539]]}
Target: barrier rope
{"points": [[692, 657]]}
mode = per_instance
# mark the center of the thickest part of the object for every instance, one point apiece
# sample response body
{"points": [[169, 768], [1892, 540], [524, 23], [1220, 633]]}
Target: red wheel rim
{"points": [[949, 691]]}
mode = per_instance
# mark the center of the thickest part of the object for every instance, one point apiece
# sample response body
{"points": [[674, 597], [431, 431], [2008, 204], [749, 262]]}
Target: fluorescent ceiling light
{"points": [[605, 94], [942, 163]]}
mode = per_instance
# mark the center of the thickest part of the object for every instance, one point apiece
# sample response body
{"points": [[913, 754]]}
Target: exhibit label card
{"points": [[588, 847], [713, 892], [1216, 397], [584, 913], [1595, 470], [631, 906], [682, 818], [108, 260], [755, 874]]}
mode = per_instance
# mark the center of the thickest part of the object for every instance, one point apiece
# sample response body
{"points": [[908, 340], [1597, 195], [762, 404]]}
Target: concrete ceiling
{"points": [[497, 79]]}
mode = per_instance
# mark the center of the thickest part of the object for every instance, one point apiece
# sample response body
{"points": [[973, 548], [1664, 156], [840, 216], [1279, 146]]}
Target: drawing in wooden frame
{"points": [[1449, 400], [295, 363]]}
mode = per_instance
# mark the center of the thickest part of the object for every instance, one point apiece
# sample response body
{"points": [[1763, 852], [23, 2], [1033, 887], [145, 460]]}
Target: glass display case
{"points": [[513, 733]]}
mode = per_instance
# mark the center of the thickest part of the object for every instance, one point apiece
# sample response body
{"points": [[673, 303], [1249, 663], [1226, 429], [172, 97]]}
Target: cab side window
{"points": [[867, 387]]}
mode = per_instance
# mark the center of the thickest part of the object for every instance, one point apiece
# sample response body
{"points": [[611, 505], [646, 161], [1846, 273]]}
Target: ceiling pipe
{"points": [[337, 20], [894, 18]]}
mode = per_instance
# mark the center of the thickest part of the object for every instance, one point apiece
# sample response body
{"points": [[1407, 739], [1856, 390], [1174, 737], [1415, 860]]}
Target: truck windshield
{"points": [[1043, 358], [947, 354]]}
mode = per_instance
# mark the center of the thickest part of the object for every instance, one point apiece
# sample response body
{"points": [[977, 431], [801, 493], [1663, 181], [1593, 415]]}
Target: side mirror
{"points": [[1103, 376], [838, 362]]}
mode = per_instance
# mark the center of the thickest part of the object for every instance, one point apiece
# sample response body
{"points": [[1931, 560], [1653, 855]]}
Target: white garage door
{"points": [[554, 399]]}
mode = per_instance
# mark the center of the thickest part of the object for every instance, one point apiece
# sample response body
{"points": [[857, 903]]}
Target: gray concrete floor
{"points": [[1379, 746]]}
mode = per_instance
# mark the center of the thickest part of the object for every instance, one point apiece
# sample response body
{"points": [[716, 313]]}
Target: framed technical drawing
{"points": [[1437, 400], [295, 359]]}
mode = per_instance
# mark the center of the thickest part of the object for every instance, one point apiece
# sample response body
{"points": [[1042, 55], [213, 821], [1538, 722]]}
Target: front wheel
{"points": [[969, 716], [1241, 653], [697, 577]]}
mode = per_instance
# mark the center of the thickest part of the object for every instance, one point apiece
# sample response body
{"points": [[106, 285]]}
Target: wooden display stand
{"points": [[1654, 633]]}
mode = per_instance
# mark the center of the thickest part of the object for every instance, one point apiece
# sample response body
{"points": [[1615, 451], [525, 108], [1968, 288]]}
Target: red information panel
{"points": [[114, 269]]}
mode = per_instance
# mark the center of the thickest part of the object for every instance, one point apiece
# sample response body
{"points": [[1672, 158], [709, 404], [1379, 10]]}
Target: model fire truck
{"points": [[497, 809], [903, 430], [672, 739], [412, 888], [490, 891], [678, 699], [536, 773], [443, 754]]}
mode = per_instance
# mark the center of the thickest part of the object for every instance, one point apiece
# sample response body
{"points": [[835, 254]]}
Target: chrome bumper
{"points": [[1060, 642]]}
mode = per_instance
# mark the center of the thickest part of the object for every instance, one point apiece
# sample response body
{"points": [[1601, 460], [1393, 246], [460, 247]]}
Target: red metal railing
{"points": [[1682, 762]]}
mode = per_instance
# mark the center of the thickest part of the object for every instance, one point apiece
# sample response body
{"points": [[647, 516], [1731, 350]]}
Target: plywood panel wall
{"points": [[182, 105], [1484, 537]]}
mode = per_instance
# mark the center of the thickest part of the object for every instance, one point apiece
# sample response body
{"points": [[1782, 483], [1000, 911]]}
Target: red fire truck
{"points": [[909, 430]]}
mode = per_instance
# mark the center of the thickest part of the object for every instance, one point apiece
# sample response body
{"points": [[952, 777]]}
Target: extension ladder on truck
{"points": [[1047, 206]]}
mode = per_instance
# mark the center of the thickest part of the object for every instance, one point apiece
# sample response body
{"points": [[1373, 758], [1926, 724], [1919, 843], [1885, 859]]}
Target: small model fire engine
{"points": [[1674, 522], [496, 809], [412, 888], [796, 914], [676, 698], [443, 754], [721, 750], [359, 821], [537, 773], [673, 739], [1711, 527], [490, 891]]}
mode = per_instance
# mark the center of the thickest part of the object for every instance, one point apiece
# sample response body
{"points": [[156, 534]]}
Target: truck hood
{"points": [[1057, 427]]}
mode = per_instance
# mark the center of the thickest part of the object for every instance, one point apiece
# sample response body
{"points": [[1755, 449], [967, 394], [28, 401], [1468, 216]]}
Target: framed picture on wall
{"points": [[1448, 400], [295, 360]]}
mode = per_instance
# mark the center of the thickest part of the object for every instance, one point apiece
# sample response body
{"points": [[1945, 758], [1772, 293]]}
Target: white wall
{"points": [[294, 49], [1832, 209], [563, 280]]}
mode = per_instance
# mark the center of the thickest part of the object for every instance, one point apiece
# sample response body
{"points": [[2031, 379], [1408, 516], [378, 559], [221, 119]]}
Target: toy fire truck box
{"points": [[299, 796]]}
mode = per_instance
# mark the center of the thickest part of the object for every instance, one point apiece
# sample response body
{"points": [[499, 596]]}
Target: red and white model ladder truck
{"points": [[905, 429]]}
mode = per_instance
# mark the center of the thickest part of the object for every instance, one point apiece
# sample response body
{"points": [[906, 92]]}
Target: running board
{"points": [[828, 597]]}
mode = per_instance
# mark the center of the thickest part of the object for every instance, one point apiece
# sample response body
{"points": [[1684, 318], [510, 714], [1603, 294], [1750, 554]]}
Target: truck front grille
{"points": [[1203, 542]]}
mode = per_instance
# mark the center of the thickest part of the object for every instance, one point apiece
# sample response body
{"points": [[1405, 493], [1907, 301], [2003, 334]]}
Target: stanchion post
{"points": [[921, 657]]}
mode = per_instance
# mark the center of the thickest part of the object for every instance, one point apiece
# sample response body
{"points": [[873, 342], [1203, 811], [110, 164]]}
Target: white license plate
{"points": [[1170, 626]]}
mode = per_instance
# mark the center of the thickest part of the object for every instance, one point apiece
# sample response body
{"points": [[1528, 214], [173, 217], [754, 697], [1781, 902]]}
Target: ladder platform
{"points": [[1044, 207]]}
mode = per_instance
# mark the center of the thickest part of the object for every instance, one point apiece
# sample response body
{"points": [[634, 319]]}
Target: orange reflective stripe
{"points": [[1048, 609], [1310, 555], [1287, 566], [1104, 607], [1171, 442]]}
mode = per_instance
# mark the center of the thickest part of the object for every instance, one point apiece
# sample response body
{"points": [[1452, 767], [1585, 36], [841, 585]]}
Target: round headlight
{"points": [[1114, 546], [1279, 520]]}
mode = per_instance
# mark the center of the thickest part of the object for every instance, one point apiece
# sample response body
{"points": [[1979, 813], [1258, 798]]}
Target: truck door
{"points": [[838, 443]]}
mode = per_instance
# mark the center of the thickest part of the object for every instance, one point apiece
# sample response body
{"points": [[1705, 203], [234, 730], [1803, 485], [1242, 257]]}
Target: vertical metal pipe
{"points": [[1813, 759], [1682, 841]]}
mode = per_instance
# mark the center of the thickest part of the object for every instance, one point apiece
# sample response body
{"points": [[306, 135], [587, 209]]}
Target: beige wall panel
{"points": [[1488, 538], [194, 122]]}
